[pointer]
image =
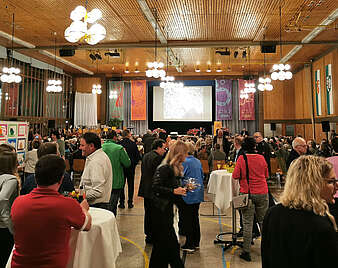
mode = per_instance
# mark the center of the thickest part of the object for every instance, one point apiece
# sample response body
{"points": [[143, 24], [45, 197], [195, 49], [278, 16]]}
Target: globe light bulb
{"points": [[275, 67], [288, 75], [274, 76], [287, 67]]}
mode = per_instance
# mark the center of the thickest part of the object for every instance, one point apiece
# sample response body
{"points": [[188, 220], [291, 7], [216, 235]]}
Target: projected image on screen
{"points": [[187, 104], [180, 108]]}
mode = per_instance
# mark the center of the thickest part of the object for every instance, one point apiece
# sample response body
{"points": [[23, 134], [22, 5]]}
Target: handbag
{"points": [[242, 200]]}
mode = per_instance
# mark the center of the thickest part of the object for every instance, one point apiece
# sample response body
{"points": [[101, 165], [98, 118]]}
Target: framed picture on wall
{"points": [[22, 130], [3, 130], [21, 158], [12, 130], [12, 142], [21, 144]]}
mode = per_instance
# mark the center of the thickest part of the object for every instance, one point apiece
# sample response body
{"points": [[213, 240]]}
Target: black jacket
{"points": [[164, 183], [132, 151], [148, 141], [264, 149], [150, 162], [292, 156]]}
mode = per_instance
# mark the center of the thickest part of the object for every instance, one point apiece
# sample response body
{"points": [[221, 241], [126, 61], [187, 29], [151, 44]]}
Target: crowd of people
{"points": [[168, 162]]}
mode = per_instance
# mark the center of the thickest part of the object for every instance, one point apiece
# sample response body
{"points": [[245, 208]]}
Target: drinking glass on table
{"points": [[219, 166]]}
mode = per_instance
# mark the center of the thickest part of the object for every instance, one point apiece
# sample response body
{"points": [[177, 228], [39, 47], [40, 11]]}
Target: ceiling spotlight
{"points": [[136, 71], [219, 70], [197, 70], [208, 70], [92, 56], [235, 54], [98, 56], [229, 69], [244, 54], [127, 71]]}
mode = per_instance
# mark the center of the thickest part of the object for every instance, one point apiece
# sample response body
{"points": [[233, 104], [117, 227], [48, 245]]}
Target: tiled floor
{"points": [[136, 253]]}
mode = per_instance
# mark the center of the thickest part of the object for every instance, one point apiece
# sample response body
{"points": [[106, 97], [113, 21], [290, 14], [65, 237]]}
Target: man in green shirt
{"points": [[118, 159]]}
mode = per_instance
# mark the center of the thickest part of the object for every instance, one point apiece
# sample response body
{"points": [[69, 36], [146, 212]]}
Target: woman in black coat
{"points": [[167, 191]]}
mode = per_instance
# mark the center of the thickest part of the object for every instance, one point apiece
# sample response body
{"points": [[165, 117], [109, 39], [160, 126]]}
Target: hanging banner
{"points": [[246, 106], [138, 100], [318, 94], [329, 93], [223, 100], [217, 125], [116, 90]]}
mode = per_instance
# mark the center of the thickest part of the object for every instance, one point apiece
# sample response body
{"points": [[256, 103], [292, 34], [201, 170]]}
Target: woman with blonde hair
{"points": [[9, 190], [167, 191], [300, 231]]}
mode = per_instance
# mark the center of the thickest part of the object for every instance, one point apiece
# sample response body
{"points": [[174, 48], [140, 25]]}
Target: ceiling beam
{"points": [[178, 44], [160, 34]]}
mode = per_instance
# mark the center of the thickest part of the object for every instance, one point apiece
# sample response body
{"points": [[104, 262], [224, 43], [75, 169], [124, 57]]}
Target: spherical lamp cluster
{"points": [[79, 29], [249, 88], [54, 85], [281, 72], [243, 95], [113, 94], [168, 83], [96, 89], [10, 75], [155, 70], [264, 84]]}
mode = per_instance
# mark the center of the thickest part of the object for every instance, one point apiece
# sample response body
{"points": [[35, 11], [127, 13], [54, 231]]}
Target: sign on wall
{"points": [[329, 90], [138, 100], [318, 93], [246, 106]]}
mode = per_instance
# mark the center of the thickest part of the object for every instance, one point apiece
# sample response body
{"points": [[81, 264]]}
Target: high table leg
{"points": [[233, 233]]}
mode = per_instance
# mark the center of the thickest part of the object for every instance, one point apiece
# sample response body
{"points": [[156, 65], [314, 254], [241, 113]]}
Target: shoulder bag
{"points": [[242, 200]]}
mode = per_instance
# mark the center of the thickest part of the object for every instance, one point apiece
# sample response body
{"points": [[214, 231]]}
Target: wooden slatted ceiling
{"points": [[191, 20]]}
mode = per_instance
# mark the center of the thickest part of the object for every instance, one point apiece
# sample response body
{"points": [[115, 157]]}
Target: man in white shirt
{"points": [[97, 174]]}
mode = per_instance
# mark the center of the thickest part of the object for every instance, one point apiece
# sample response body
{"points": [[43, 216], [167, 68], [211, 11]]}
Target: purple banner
{"points": [[223, 100]]}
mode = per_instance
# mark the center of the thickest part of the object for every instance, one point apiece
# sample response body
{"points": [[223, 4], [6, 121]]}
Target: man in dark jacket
{"points": [[147, 140], [222, 140], [150, 162], [263, 148], [129, 172], [299, 148]]}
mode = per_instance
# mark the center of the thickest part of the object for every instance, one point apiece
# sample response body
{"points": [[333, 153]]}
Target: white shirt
{"points": [[97, 177], [31, 159]]}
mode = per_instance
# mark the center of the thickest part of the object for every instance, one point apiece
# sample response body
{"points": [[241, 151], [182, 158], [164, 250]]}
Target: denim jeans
{"points": [[258, 203]]}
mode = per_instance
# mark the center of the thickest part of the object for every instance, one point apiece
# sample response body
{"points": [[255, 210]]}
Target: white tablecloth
{"points": [[222, 187], [97, 248], [100, 246]]}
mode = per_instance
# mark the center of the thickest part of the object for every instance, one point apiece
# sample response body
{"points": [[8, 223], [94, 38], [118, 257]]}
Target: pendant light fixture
{"points": [[168, 81], [249, 87], [264, 81], [281, 71], [54, 84], [78, 30], [96, 88], [11, 74], [155, 68]]}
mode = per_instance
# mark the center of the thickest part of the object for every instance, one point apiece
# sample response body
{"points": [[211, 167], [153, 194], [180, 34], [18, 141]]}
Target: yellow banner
{"points": [[138, 100], [217, 125]]}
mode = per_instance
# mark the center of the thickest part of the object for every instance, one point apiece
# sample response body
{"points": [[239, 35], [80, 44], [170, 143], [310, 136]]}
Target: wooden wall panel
{"points": [[299, 111], [307, 93], [300, 130], [308, 133], [280, 102], [84, 85]]}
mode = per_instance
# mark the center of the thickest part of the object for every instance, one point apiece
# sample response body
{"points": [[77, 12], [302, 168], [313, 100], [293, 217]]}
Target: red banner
{"points": [[138, 100], [246, 106]]}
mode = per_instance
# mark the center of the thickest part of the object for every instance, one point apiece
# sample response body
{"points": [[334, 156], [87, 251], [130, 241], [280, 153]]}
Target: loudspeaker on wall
{"points": [[273, 126], [325, 126]]}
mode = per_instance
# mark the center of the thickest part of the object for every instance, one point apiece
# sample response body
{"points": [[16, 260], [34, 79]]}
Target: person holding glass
{"points": [[257, 190], [166, 192], [300, 231]]}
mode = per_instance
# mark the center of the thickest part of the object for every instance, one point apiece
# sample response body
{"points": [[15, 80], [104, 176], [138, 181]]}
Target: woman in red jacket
{"points": [[258, 190]]}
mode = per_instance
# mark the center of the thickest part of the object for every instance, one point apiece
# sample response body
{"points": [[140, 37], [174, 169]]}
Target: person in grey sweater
{"points": [[216, 155], [9, 190]]}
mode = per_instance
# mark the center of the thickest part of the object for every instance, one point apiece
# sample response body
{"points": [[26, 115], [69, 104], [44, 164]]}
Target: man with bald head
{"points": [[299, 148]]}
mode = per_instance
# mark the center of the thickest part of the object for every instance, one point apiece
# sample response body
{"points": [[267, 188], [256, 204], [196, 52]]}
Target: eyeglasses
{"points": [[256, 137]]}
